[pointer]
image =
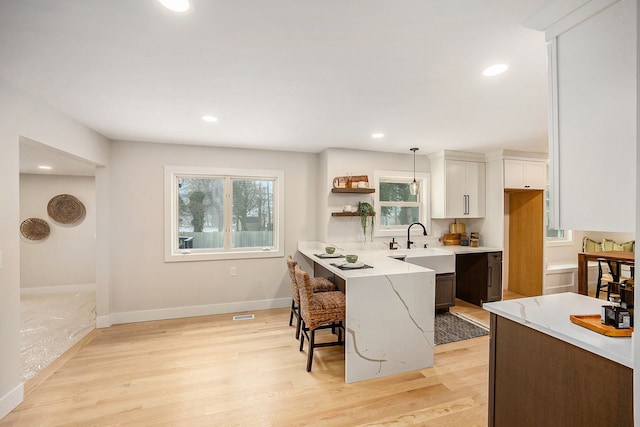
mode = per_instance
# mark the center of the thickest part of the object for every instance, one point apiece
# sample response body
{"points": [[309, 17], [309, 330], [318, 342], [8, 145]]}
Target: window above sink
{"points": [[396, 207]]}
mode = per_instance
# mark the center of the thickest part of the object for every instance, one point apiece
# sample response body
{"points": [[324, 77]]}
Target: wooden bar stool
{"points": [[320, 284], [319, 311]]}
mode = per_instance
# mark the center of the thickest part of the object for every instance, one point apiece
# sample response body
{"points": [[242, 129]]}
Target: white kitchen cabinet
{"points": [[525, 174], [593, 114], [457, 187]]}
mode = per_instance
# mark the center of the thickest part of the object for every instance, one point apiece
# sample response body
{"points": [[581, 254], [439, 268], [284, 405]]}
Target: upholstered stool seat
{"points": [[319, 284], [319, 311]]}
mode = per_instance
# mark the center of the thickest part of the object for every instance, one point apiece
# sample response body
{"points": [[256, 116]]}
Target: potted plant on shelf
{"points": [[367, 218]]}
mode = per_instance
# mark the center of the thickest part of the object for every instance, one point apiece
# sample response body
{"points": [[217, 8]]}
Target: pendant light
{"points": [[413, 187]]}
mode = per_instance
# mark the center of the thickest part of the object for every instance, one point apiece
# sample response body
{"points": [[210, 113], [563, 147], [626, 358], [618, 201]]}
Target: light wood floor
{"points": [[215, 371], [475, 313]]}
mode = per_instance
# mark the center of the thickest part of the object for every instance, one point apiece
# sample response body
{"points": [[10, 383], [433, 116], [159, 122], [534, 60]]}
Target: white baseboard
{"points": [[103, 322], [9, 401], [191, 311], [62, 289]]}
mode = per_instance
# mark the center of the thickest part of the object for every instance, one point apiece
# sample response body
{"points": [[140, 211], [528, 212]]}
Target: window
{"points": [[397, 208], [222, 213], [554, 236]]}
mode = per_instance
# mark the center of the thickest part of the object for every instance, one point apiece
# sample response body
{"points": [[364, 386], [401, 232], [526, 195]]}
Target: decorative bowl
{"points": [[330, 250], [351, 258]]}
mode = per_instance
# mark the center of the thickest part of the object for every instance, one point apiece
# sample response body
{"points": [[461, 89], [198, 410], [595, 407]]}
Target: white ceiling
{"points": [[287, 74], [33, 155]]}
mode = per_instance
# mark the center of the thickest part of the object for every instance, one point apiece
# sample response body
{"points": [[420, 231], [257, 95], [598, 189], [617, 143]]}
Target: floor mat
{"points": [[452, 328]]}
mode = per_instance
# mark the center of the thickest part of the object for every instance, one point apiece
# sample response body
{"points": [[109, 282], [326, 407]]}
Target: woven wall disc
{"points": [[65, 209], [35, 229]]}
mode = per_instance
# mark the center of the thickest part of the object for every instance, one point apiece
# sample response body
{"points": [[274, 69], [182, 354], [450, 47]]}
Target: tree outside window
{"points": [[223, 215], [397, 206]]}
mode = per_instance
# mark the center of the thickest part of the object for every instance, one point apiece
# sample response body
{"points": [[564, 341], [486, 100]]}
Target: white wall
{"points": [[22, 115], [340, 162], [569, 252], [143, 286], [67, 256]]}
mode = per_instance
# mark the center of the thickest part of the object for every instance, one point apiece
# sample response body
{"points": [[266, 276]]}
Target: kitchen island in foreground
{"points": [[545, 370], [390, 312]]}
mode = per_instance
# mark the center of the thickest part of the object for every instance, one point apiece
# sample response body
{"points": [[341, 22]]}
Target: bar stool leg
{"points": [[299, 327], [293, 307], [312, 340]]}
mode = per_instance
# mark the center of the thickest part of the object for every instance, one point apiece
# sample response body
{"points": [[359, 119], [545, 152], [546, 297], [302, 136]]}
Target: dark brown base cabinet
{"points": [[538, 380], [479, 277], [445, 291]]}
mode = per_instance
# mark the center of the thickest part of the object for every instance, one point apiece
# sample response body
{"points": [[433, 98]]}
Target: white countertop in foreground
{"points": [[549, 314]]}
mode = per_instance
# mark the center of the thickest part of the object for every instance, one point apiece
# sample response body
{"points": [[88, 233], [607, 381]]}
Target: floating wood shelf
{"points": [[346, 214], [353, 190]]}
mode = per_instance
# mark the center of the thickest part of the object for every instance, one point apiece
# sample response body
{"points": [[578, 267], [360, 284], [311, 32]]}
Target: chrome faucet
{"points": [[409, 242]]}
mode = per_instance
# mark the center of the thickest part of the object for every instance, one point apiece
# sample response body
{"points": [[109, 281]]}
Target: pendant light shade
{"points": [[414, 186]]}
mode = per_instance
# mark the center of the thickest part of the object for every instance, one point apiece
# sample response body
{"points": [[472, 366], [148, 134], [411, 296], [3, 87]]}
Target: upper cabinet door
{"points": [[458, 186], [593, 111], [523, 174], [535, 175], [475, 177], [465, 189], [456, 202], [514, 174]]}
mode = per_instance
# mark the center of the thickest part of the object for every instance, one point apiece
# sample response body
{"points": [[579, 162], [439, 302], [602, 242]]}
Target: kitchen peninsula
{"points": [[390, 311], [545, 370]]}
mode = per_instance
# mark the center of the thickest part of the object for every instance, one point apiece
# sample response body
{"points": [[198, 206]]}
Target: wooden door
{"points": [[526, 241]]}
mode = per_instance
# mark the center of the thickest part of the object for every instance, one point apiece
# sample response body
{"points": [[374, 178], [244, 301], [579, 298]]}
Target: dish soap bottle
{"points": [[393, 244]]}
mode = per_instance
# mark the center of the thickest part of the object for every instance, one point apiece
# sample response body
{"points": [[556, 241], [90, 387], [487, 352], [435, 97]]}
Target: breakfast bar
{"points": [[390, 311]]}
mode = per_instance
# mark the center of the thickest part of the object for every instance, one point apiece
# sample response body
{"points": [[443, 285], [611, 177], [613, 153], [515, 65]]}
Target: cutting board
{"points": [[457, 228], [592, 322], [450, 239]]}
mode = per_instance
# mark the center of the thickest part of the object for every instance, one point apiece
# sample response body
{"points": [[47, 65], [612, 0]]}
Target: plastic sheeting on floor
{"points": [[50, 325]]}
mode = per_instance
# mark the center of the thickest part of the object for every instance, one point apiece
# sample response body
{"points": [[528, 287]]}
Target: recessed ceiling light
{"points": [[494, 70], [44, 167], [210, 119], [176, 5], [377, 135]]}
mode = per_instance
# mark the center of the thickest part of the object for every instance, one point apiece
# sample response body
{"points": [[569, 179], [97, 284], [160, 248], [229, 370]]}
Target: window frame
{"points": [[172, 252], [567, 240], [424, 200]]}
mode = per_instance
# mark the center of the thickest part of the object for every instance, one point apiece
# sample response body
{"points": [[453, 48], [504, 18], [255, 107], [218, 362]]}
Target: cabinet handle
{"points": [[490, 276]]}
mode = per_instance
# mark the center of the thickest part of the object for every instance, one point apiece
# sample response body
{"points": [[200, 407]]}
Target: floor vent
{"points": [[244, 317]]}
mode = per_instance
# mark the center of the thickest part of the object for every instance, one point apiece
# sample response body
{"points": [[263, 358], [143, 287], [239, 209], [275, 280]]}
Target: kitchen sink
{"points": [[440, 260]]}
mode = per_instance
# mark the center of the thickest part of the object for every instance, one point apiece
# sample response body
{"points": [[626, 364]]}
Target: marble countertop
{"points": [[379, 258], [549, 314]]}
